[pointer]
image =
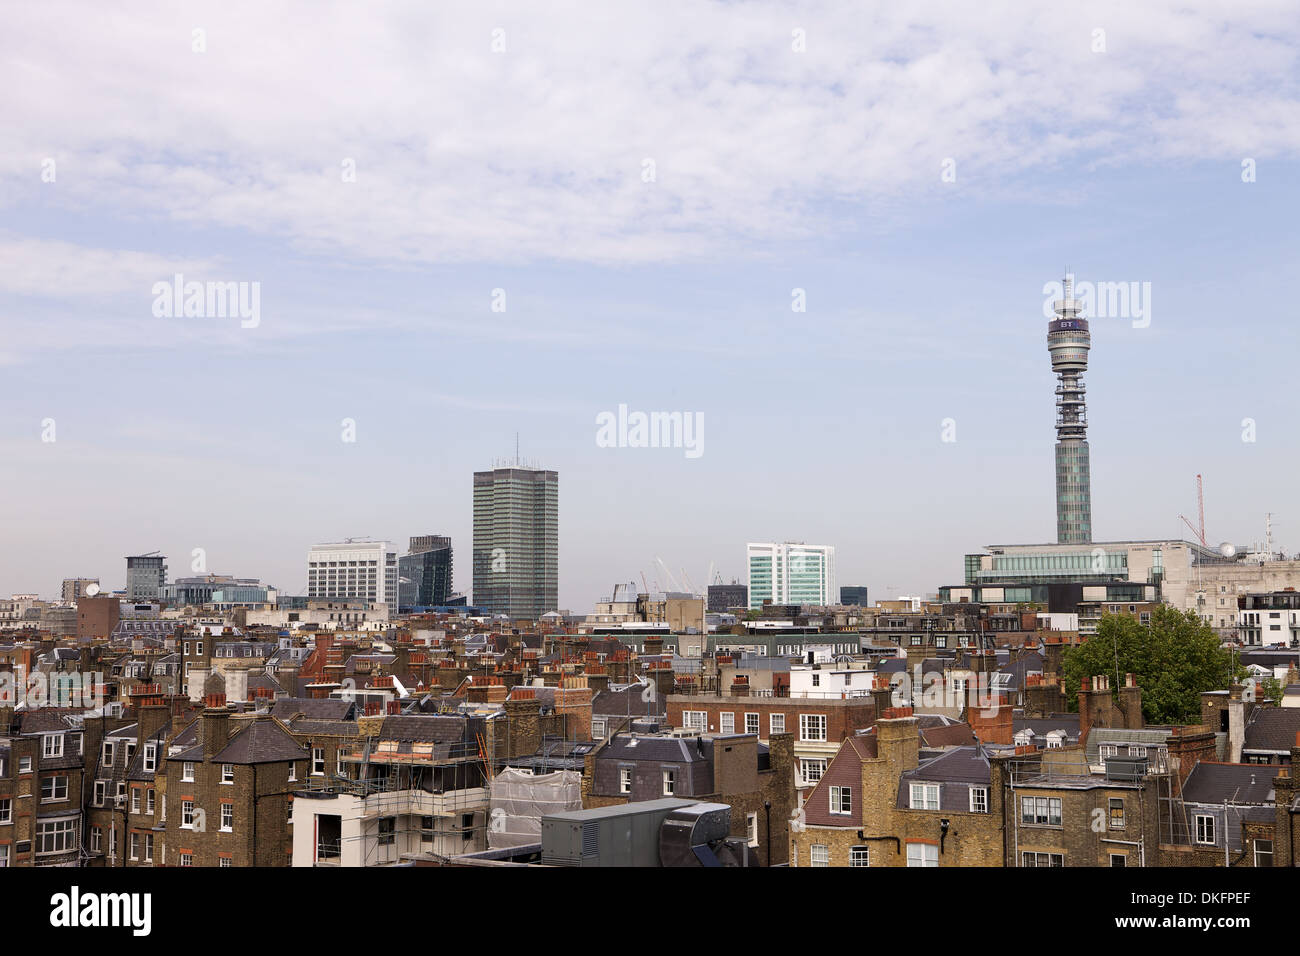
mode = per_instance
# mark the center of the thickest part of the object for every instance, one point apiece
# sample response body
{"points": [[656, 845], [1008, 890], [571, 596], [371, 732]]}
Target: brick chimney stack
{"points": [[216, 727], [1130, 704]]}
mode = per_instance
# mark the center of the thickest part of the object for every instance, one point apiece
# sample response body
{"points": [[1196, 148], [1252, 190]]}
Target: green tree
{"points": [[1270, 688], [1174, 658]]}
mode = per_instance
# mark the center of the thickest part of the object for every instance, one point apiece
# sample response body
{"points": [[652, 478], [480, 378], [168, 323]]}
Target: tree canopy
{"points": [[1174, 658]]}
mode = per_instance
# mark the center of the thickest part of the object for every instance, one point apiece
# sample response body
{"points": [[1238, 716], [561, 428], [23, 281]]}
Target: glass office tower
{"points": [[516, 541]]}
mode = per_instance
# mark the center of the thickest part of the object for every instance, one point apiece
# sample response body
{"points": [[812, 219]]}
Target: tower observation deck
{"points": [[1068, 343]]}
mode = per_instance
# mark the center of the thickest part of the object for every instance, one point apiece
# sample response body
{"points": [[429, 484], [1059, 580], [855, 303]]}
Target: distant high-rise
{"points": [[516, 541], [855, 595], [1068, 342], [358, 570], [791, 573], [424, 574], [145, 576]]}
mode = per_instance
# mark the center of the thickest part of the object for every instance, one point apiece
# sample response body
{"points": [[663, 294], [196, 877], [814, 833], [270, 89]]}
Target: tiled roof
{"points": [[1272, 729], [329, 708], [1211, 782], [262, 740]]}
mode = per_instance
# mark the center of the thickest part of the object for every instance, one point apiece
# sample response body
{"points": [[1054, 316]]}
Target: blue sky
{"points": [[523, 170]]}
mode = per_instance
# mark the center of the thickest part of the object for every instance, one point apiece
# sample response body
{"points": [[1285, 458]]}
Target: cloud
{"points": [[537, 152]]}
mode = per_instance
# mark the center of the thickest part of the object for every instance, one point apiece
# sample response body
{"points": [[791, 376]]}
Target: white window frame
{"points": [[1206, 825], [979, 799], [227, 813], [187, 771], [187, 814], [150, 758], [819, 854], [624, 779], [812, 723], [806, 764], [6, 810], [318, 760], [920, 794], [839, 797], [670, 782], [859, 856], [697, 720], [922, 854], [100, 793], [228, 774], [727, 722], [775, 724], [753, 722], [751, 828], [51, 746]]}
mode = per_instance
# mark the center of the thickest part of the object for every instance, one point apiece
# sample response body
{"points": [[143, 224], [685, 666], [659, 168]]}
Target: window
{"points": [[1263, 852], [107, 754], [387, 830], [227, 773], [925, 796], [149, 800], [751, 829], [293, 772], [52, 745], [224, 862], [1040, 811], [187, 859], [148, 847], [727, 722], [979, 799], [4, 855], [1205, 829], [187, 814], [695, 720], [98, 799], [860, 856], [135, 846], [150, 758], [670, 782], [922, 854], [816, 680], [776, 724], [813, 768], [227, 816], [187, 771], [1118, 859], [812, 727], [24, 764], [56, 836], [841, 800], [1042, 859], [624, 779], [751, 723], [1109, 750], [6, 810], [96, 839], [317, 761], [819, 855], [135, 799], [1117, 813], [54, 788]]}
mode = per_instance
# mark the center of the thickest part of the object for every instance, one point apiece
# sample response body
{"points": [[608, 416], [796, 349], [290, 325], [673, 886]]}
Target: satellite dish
{"points": [[92, 590], [1227, 549]]}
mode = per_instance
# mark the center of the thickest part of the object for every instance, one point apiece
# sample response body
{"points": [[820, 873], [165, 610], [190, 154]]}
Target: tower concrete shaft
{"points": [[1068, 343]]}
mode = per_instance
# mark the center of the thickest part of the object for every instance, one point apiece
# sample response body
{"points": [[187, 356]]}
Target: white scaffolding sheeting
{"points": [[520, 798]]}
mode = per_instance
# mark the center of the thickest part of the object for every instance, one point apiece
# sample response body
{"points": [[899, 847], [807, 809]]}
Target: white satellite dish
{"points": [[1227, 549], [92, 590]]}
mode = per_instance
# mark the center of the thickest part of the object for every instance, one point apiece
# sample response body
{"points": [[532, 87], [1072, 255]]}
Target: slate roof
{"points": [[328, 708], [1149, 737], [948, 735], [955, 771], [1211, 783], [667, 749], [263, 740], [423, 728], [1272, 730]]}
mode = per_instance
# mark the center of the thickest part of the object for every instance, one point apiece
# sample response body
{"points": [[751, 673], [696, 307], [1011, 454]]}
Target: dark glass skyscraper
{"points": [[1068, 342], [516, 541], [424, 574]]}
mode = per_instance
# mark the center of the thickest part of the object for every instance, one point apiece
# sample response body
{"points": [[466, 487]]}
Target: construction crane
{"points": [[1200, 510]]}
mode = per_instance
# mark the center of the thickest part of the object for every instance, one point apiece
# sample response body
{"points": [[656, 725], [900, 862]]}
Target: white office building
{"points": [[791, 573], [360, 570]]}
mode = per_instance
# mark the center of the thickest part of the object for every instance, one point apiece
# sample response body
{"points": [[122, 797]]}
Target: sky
{"points": [[470, 221]]}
